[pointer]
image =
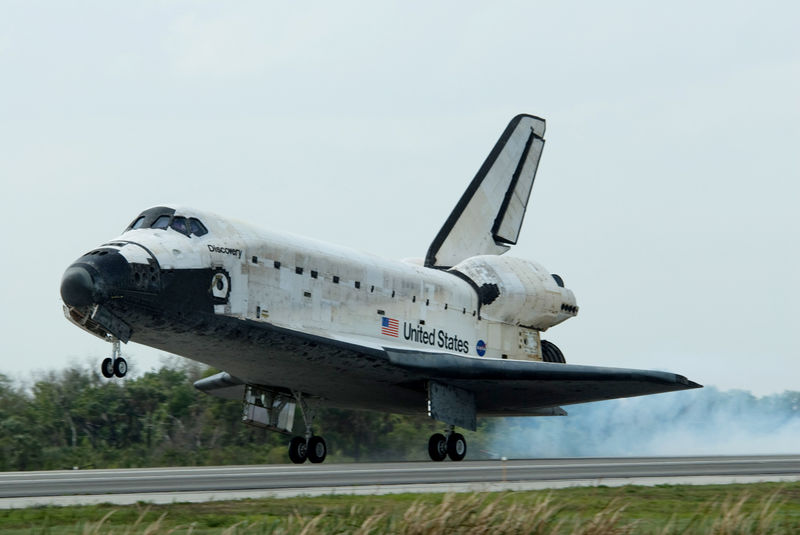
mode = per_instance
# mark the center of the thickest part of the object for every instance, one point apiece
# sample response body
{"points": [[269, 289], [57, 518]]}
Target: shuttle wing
{"points": [[513, 387], [341, 367], [488, 217]]}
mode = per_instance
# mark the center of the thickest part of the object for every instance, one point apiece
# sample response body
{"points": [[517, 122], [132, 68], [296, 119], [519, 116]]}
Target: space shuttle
{"points": [[301, 324]]}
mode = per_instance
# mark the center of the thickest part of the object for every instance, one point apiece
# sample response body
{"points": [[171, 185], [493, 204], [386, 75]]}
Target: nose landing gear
{"points": [[115, 365]]}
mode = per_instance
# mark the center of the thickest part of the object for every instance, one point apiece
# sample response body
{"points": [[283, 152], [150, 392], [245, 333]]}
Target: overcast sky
{"points": [[666, 194]]}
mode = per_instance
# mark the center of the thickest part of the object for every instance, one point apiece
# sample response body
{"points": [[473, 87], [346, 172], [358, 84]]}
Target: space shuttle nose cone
{"points": [[77, 286]]}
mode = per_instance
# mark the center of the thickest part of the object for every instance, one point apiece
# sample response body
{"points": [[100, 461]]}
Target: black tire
{"points": [[456, 446], [120, 367], [317, 449], [107, 368], [298, 450], [437, 447], [551, 353]]}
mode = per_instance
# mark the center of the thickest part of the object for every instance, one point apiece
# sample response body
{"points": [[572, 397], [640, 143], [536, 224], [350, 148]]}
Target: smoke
{"points": [[697, 422]]}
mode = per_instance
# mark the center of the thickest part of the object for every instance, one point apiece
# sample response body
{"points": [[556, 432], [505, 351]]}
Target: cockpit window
{"points": [[148, 218], [197, 228], [161, 222], [162, 217], [179, 224]]}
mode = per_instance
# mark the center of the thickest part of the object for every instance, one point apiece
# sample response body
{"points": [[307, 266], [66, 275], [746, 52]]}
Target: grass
{"points": [[768, 508]]}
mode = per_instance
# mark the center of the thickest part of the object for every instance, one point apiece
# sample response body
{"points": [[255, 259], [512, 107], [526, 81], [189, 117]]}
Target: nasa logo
{"points": [[480, 347]]}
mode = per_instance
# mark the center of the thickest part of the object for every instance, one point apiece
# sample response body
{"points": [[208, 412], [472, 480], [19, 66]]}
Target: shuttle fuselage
{"points": [[293, 321]]}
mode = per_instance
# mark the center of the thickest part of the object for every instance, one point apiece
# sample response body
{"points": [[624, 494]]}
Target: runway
{"points": [[164, 485]]}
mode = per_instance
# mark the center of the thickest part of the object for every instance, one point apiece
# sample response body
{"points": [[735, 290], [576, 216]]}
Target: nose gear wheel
{"points": [[120, 367], [107, 368], [114, 365]]}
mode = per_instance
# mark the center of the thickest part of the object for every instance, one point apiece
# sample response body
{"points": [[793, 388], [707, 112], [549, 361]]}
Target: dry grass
{"points": [[730, 513], [734, 520], [475, 514]]}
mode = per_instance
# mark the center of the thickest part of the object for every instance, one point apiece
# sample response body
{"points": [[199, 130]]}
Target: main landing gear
{"points": [[310, 446], [115, 365], [451, 444]]}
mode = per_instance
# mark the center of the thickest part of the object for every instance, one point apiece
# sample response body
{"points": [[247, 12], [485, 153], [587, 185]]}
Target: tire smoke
{"points": [[700, 422]]}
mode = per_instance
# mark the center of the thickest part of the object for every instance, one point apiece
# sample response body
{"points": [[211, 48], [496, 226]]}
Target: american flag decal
{"points": [[389, 326]]}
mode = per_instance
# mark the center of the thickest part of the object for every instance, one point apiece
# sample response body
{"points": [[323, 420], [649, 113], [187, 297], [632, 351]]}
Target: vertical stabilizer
{"points": [[488, 217]]}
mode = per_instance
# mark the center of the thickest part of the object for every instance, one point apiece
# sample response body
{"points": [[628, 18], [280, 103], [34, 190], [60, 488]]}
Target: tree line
{"points": [[76, 418]]}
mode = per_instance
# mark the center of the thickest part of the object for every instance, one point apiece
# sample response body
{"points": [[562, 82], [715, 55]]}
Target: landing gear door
{"points": [[268, 409]]}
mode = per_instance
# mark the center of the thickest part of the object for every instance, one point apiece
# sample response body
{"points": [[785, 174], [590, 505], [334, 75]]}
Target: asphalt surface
{"points": [[142, 481]]}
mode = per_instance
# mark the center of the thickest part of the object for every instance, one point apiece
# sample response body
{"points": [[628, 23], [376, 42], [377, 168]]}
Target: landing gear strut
{"points": [[451, 444], [115, 365], [310, 446]]}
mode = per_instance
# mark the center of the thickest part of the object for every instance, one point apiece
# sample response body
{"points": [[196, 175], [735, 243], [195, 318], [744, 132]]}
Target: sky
{"points": [[665, 196]]}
